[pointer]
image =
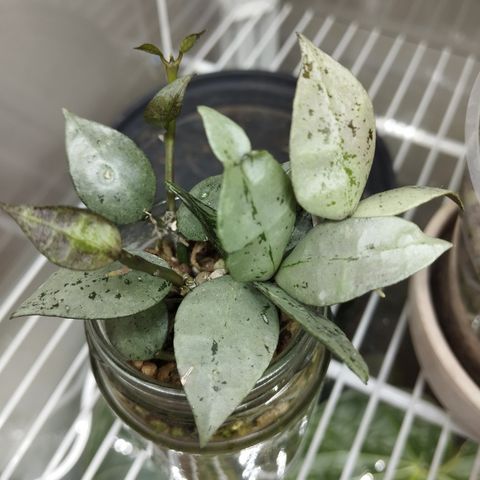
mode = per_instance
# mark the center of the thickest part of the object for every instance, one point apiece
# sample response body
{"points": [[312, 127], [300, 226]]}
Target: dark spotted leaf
{"points": [[320, 326], [111, 174], [338, 261], [227, 140], [399, 200], [208, 192], [189, 41], [166, 105], [256, 216], [140, 336], [225, 336], [332, 139], [70, 237], [105, 293]]}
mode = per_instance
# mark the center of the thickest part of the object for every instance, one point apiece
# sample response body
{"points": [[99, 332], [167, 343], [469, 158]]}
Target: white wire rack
{"points": [[419, 93]]}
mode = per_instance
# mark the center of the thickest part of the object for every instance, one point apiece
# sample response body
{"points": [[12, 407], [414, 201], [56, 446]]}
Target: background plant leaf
{"points": [[70, 237], [332, 139], [338, 261], [225, 335], [189, 41], [416, 458], [322, 328], [97, 294], [208, 192], [256, 216], [399, 200], [228, 141], [112, 176], [166, 105], [139, 336]]}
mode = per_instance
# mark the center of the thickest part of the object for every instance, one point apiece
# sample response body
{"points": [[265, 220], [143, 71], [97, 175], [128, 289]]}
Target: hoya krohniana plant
{"points": [[257, 219]]}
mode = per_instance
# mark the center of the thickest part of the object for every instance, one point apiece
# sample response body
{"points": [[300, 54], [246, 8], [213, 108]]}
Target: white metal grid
{"points": [[428, 148]]}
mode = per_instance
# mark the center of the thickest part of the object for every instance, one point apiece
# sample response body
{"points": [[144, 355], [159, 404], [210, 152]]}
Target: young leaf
{"points": [[323, 329], [303, 224], [227, 140], [140, 336], [70, 237], [189, 41], [104, 293], [218, 370], [338, 261], [206, 215], [208, 192], [332, 139], [111, 174], [151, 49], [256, 216], [399, 200], [166, 105]]}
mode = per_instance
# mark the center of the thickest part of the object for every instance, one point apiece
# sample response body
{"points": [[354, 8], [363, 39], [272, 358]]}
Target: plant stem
{"points": [[171, 70], [135, 262]]}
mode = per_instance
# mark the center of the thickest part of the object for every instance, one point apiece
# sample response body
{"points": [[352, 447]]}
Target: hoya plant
{"points": [[259, 241]]}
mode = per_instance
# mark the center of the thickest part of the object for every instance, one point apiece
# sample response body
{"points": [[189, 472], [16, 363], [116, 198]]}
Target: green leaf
{"points": [[189, 41], [166, 105], [111, 174], [96, 295], [208, 192], [150, 48], [256, 216], [140, 336], [323, 329], [206, 215], [228, 141], [225, 336], [338, 261], [399, 200], [67, 236], [332, 139]]}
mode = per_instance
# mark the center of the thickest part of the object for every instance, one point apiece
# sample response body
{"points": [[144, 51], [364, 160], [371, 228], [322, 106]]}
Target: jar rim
{"points": [[97, 337]]}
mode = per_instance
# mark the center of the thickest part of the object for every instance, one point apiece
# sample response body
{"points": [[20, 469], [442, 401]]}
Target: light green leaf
{"points": [[97, 294], [338, 261], [112, 176], [140, 336], [151, 49], [256, 216], [208, 192], [166, 105], [67, 236], [225, 336], [227, 140], [332, 139], [189, 41], [399, 200], [323, 329], [206, 215]]}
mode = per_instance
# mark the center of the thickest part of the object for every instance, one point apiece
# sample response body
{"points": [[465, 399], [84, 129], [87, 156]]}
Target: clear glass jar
{"points": [[258, 441]]}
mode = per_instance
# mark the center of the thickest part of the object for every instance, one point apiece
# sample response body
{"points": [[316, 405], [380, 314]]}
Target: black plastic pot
{"points": [[261, 102]]}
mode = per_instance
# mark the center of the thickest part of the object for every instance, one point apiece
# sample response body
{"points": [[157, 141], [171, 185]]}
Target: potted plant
{"points": [[212, 340]]}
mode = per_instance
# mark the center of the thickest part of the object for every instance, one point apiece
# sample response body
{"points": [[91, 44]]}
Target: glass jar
{"points": [[258, 441]]}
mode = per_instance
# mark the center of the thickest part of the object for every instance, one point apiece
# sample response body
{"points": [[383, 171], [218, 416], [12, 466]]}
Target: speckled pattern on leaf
{"points": [[96, 295], [332, 139], [338, 261], [225, 335], [69, 237], [112, 176]]}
